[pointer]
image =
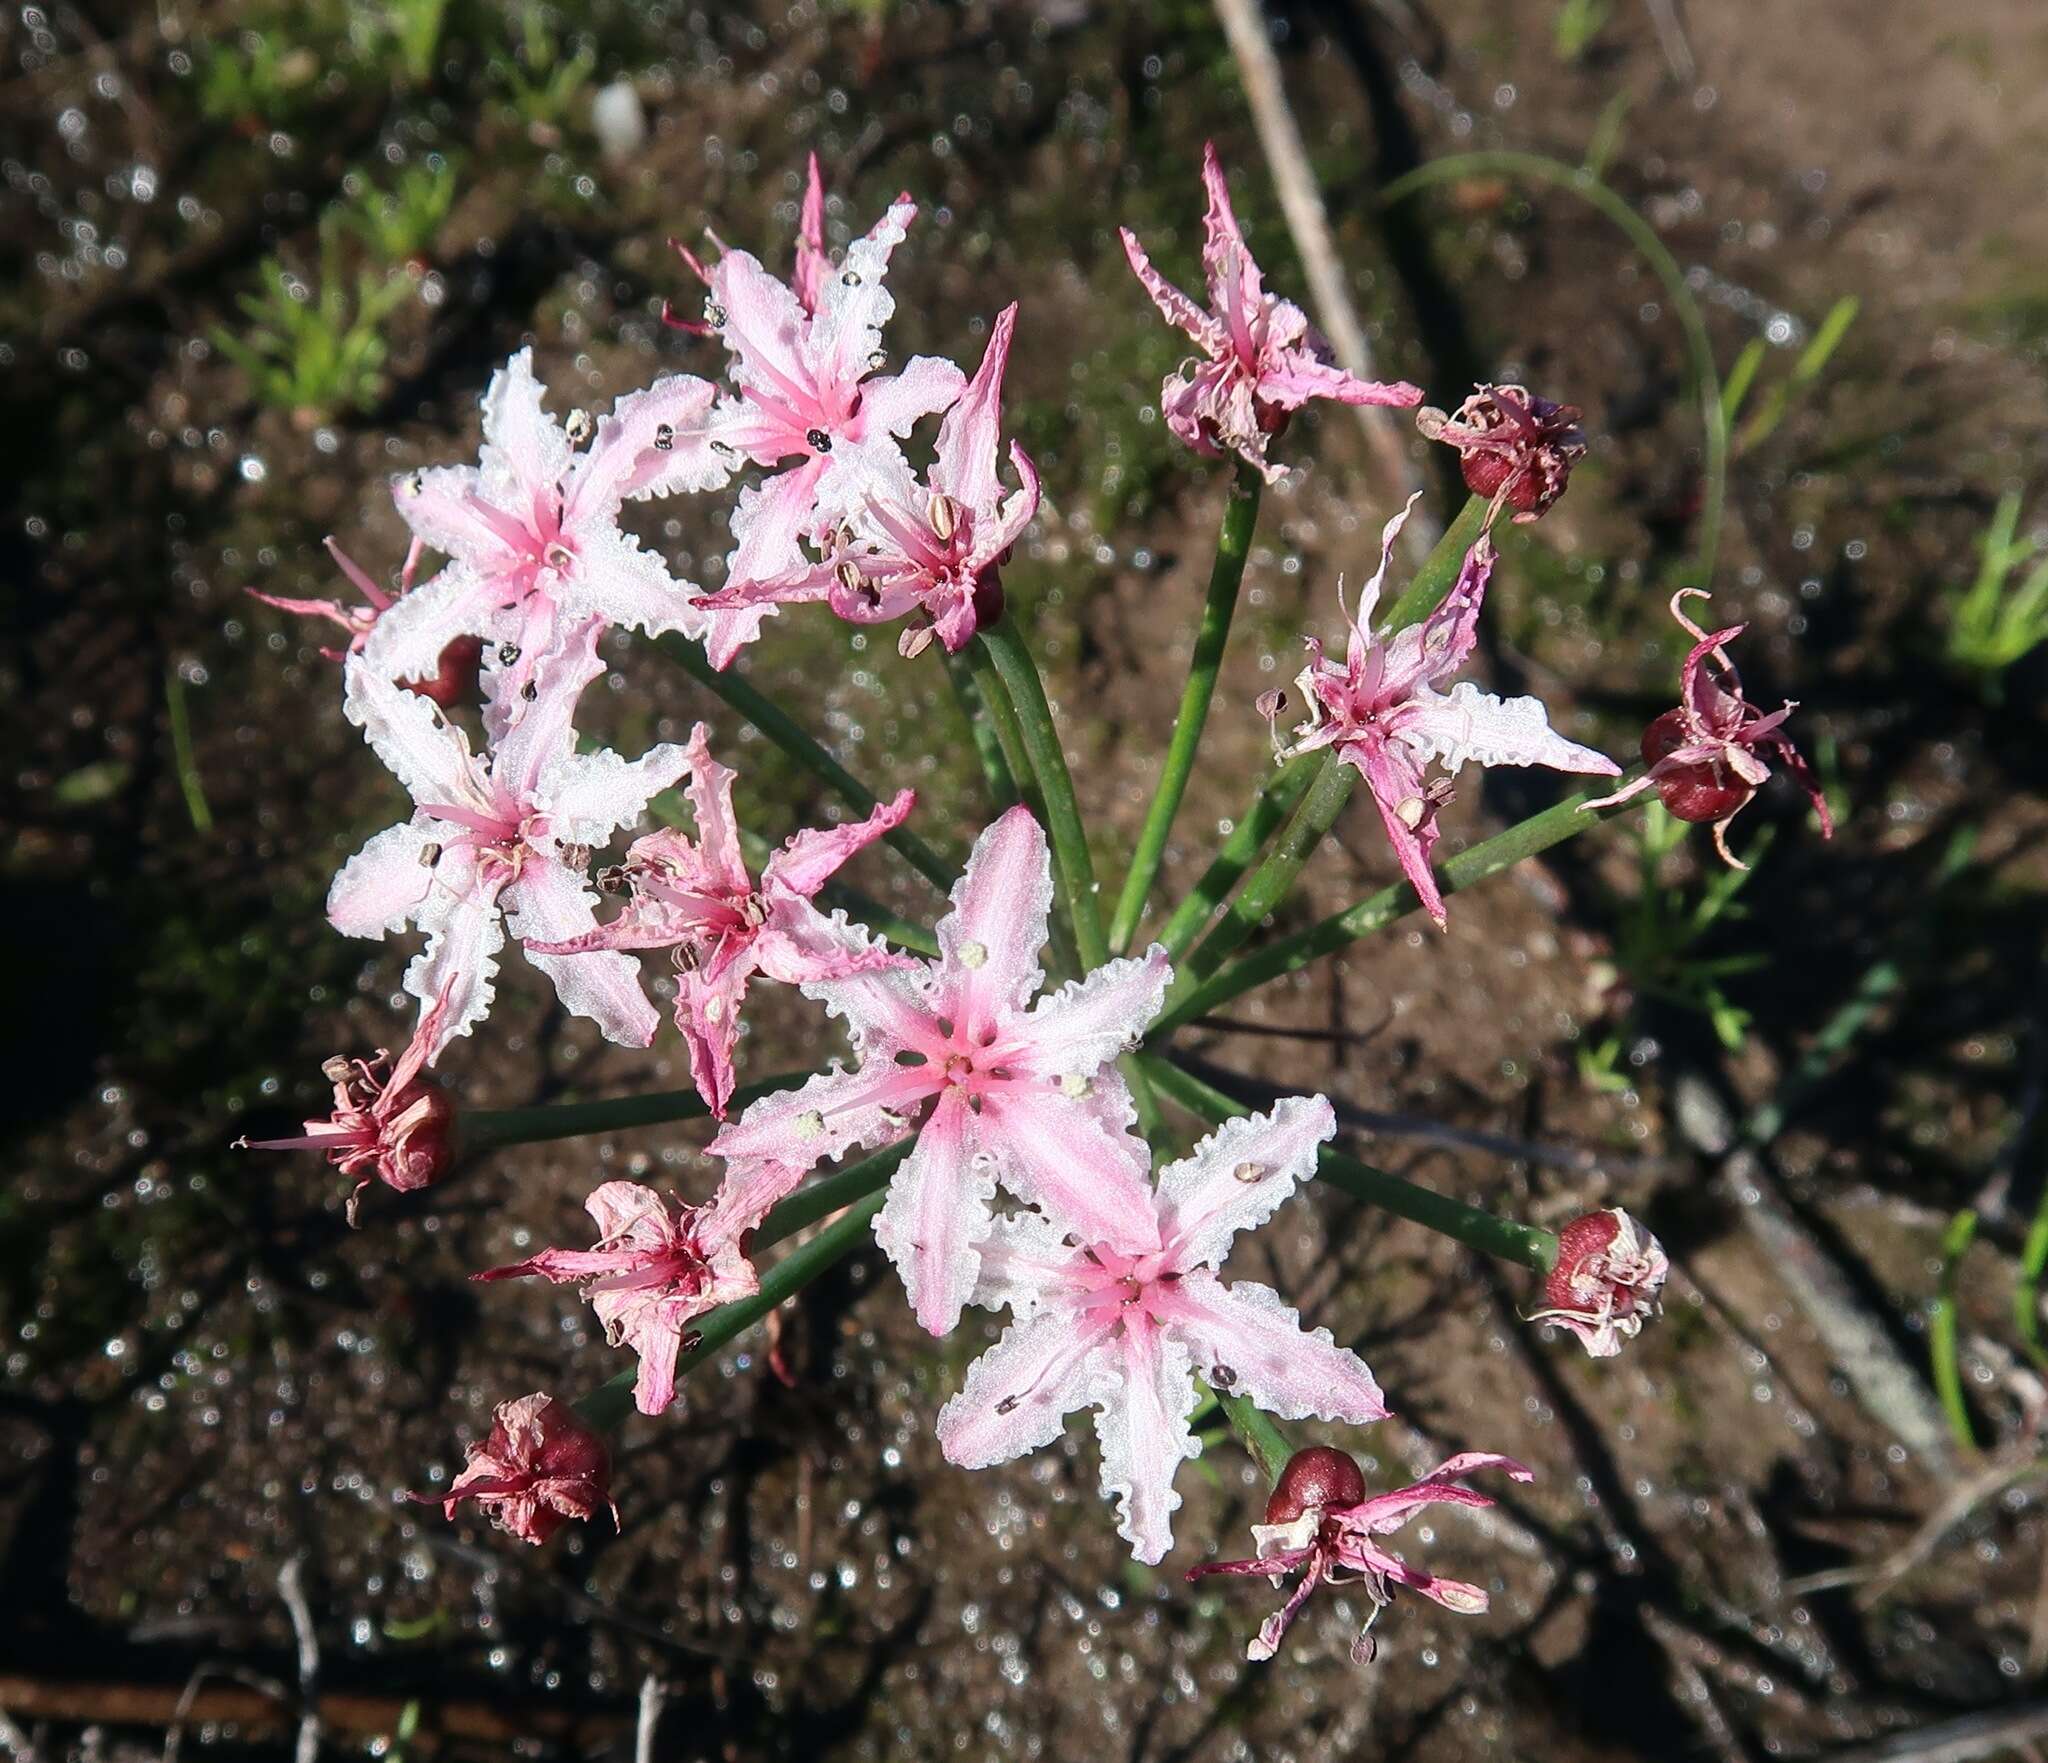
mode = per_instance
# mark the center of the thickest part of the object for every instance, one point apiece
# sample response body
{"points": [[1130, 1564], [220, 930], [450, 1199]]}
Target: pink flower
{"points": [[1605, 1284], [993, 1087], [532, 531], [397, 1127], [932, 549], [1382, 713], [1704, 757], [455, 672], [1514, 447], [1123, 1326], [540, 1466], [509, 834], [658, 1264], [699, 899], [1326, 1527], [1265, 360], [805, 363]]}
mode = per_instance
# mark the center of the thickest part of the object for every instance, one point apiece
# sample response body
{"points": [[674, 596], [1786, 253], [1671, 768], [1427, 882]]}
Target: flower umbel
{"points": [[1381, 711], [397, 1126], [992, 1086], [697, 898], [540, 1467], [1320, 1522], [658, 1264], [1514, 448], [1123, 1327], [1265, 360], [1605, 1284], [1704, 757]]}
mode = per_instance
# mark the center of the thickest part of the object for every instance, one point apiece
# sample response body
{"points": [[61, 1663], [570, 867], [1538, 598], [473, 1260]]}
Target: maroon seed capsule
{"points": [[1701, 792], [1317, 1477]]}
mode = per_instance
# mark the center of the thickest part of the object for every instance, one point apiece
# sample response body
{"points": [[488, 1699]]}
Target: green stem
{"points": [[2026, 1295], [1258, 1433], [858, 1187], [1944, 1350], [1471, 1225], [1374, 913], [981, 716], [1012, 659], [182, 760], [486, 1129], [1226, 575], [1581, 183], [1275, 800], [1275, 876], [773, 722]]}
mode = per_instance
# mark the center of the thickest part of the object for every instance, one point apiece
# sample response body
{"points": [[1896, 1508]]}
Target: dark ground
{"points": [[206, 1374]]}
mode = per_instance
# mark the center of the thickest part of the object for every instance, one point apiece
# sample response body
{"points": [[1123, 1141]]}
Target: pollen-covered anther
{"points": [[944, 514]]}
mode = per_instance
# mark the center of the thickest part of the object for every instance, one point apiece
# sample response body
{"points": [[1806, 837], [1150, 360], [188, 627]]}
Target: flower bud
{"points": [[1514, 448], [540, 1466]]}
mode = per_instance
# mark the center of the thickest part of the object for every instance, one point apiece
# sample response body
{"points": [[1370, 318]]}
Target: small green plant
{"points": [[1994, 622], [540, 85], [1658, 938], [410, 33], [316, 347], [257, 76], [1578, 23], [399, 225], [1772, 406]]}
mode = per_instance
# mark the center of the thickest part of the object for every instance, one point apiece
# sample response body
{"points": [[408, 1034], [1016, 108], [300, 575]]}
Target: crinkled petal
{"points": [[655, 442], [589, 796], [894, 404], [749, 1192], [1018, 1394], [718, 828], [1441, 643], [614, 579], [937, 1214], [465, 930], [708, 1017], [382, 885], [1226, 259], [1053, 1152], [550, 903], [1393, 773], [764, 327], [989, 943], [807, 279], [1467, 725], [444, 505], [1389, 1511], [1237, 1177], [426, 752], [1246, 1339], [887, 1008], [1145, 1435], [828, 1116], [1027, 1263], [1290, 378], [812, 857], [856, 303], [544, 734], [970, 439], [1177, 309], [526, 452], [1078, 1029]]}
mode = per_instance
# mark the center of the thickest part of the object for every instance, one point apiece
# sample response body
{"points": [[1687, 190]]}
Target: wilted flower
{"points": [[931, 548], [1703, 757], [1320, 1522], [532, 531], [805, 361], [510, 834], [993, 1087], [1265, 359], [1605, 1284], [1382, 713], [396, 1126], [1514, 448], [540, 1467], [698, 899], [1123, 1327], [658, 1264]]}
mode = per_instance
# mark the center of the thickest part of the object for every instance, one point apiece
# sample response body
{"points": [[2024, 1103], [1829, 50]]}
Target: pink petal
{"points": [[1018, 1394], [1233, 276], [964, 465], [749, 1192], [1291, 378], [990, 942], [1385, 1512], [525, 452], [630, 1210], [614, 579], [1444, 641], [718, 829], [424, 750], [1088, 1022], [381, 886], [765, 327], [937, 1214], [807, 280], [444, 505], [1054, 1153], [812, 857], [1237, 1177], [1174, 306], [465, 930], [1027, 1263], [655, 442], [545, 733], [896, 403], [550, 903], [827, 1117], [1394, 775], [1246, 1339], [856, 303], [1143, 1430], [708, 1016]]}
